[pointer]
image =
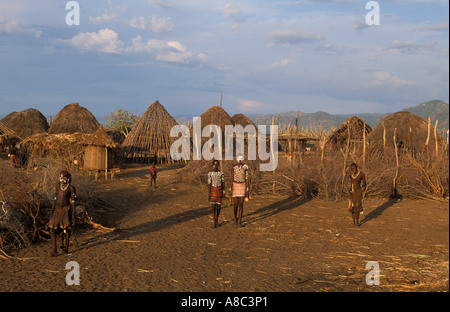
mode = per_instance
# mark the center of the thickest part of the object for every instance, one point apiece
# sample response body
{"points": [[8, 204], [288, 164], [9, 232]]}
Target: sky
{"points": [[263, 56]]}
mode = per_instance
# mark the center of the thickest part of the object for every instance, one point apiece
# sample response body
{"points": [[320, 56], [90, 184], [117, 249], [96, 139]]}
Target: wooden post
{"points": [[435, 138], [347, 148], [364, 144], [296, 132], [384, 135], [106, 163], [426, 143], [394, 182], [273, 186], [446, 143]]}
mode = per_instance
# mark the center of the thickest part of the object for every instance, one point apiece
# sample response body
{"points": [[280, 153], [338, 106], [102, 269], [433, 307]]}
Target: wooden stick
{"points": [[427, 142], [364, 144], [384, 135], [435, 138], [394, 182]]}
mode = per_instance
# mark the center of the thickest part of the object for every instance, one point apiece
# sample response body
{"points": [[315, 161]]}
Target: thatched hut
{"points": [[351, 132], [98, 151], [26, 123], [74, 118], [6, 135], [216, 115], [149, 141], [412, 133], [43, 148], [241, 119]]}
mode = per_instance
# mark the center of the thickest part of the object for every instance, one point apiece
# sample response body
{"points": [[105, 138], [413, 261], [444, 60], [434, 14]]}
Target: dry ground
{"points": [[166, 243]]}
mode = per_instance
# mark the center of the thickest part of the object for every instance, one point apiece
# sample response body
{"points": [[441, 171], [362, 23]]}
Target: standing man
{"points": [[63, 212], [216, 187], [239, 187], [13, 154], [357, 187], [153, 173]]}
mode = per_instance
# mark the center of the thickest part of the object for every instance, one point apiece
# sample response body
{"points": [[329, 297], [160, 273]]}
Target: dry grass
{"points": [[26, 200], [325, 175]]}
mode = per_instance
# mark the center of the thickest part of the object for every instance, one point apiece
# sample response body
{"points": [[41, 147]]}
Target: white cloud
{"points": [[108, 16], [385, 78], [105, 41], [159, 25], [161, 3], [292, 36], [247, 105], [168, 51], [233, 12], [138, 22], [436, 27], [408, 46], [285, 61], [13, 28]]}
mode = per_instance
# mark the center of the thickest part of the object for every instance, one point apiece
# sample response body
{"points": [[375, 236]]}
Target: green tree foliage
{"points": [[122, 121]]}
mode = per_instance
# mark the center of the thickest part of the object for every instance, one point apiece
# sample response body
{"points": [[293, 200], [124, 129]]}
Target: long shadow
{"points": [[378, 211], [148, 227], [275, 208]]}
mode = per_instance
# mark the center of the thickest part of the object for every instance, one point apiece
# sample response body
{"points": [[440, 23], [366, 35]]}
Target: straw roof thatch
{"points": [[5, 131], [62, 147], [353, 126], [241, 119], [150, 137], [74, 118], [26, 123], [412, 132], [216, 115], [100, 138]]}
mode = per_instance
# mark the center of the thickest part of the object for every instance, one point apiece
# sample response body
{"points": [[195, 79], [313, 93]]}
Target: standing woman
{"points": [[216, 187], [239, 188], [357, 187]]}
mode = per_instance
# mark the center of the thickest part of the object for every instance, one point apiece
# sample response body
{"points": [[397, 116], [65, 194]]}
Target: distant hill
{"points": [[438, 110]]}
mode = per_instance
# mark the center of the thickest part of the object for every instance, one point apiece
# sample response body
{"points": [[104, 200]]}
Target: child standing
{"points": [[153, 173]]}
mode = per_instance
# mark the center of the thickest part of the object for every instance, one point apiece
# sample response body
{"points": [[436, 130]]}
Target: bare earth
{"points": [[166, 243]]}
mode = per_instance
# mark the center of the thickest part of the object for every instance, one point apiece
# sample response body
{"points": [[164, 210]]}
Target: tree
{"points": [[122, 121]]}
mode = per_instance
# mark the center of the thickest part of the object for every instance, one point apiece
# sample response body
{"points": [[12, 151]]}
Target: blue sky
{"points": [[264, 56]]}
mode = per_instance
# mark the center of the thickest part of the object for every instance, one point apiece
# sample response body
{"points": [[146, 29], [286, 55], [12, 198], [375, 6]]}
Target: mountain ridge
{"points": [[436, 109]]}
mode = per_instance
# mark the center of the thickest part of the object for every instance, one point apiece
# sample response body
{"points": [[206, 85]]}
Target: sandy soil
{"points": [[165, 242]]}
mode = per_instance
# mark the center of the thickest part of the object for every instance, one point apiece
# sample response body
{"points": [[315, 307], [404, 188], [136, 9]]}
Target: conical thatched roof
{"points": [[241, 119], [150, 136], [353, 126], [412, 132], [26, 123], [216, 115], [100, 138], [5, 131], [74, 118]]}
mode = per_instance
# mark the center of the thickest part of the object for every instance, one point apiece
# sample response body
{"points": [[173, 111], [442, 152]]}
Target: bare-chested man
{"points": [[63, 212], [216, 186], [239, 188], [357, 187]]}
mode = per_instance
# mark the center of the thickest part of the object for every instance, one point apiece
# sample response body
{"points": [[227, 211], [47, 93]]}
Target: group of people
{"points": [[239, 190], [63, 217]]}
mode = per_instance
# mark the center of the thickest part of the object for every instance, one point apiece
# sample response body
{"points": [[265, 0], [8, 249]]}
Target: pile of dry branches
{"points": [[26, 199], [47, 148]]}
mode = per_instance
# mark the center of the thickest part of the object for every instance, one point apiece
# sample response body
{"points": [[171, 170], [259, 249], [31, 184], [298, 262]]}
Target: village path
{"points": [[166, 243]]}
